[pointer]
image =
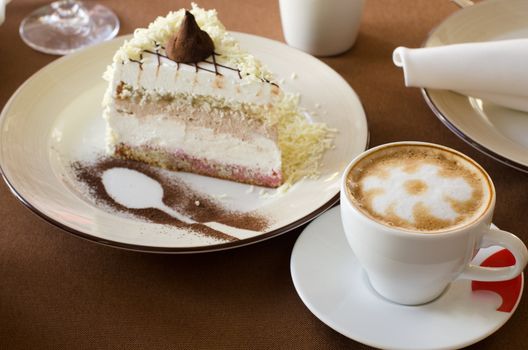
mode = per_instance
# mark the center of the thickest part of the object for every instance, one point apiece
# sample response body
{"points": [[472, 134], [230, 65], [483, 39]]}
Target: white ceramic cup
{"points": [[3, 4], [414, 268], [321, 27]]}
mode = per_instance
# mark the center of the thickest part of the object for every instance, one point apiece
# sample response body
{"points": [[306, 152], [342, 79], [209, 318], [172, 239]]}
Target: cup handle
{"points": [[507, 240]]}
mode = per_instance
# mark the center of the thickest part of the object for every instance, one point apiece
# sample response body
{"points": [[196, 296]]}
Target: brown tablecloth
{"points": [[59, 291]]}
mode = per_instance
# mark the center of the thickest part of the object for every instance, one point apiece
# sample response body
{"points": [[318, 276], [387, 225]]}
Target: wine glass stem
{"points": [[69, 16]]}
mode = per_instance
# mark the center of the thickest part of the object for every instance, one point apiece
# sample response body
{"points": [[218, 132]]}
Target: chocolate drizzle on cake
{"points": [[158, 56], [195, 65], [177, 195], [140, 62], [214, 64], [269, 82]]}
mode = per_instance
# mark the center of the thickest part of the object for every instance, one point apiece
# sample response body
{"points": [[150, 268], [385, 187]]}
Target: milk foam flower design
{"points": [[432, 191]]}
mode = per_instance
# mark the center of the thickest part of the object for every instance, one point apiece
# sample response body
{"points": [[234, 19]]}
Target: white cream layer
{"points": [[168, 78], [172, 135]]}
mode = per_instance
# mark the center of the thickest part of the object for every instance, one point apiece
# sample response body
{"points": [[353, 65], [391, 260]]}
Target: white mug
{"points": [[415, 268], [3, 4], [321, 27]]}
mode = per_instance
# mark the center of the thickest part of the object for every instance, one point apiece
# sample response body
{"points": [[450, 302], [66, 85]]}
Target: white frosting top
{"points": [[171, 78], [227, 48]]}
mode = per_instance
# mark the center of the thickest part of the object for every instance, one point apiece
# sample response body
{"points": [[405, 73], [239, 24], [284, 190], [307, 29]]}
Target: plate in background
{"points": [[499, 132]]}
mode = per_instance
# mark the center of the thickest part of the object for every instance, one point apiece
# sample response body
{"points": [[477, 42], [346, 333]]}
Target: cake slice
{"points": [[182, 95]]}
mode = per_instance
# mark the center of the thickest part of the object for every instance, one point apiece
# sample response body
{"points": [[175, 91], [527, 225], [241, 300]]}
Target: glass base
{"points": [[64, 27]]}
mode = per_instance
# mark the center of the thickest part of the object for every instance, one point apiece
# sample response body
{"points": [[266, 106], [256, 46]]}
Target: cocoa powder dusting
{"points": [[176, 194]]}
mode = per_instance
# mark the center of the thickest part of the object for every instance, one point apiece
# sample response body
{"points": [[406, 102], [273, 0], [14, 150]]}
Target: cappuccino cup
{"points": [[415, 215]]}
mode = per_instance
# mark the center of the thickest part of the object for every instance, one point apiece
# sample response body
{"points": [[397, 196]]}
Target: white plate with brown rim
{"points": [[54, 120], [496, 131]]}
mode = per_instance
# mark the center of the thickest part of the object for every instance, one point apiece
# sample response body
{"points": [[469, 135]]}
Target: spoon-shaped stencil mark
{"points": [[135, 190]]}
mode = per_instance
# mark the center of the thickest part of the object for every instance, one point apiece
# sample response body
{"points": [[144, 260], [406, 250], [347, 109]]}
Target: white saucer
{"points": [[332, 285]]}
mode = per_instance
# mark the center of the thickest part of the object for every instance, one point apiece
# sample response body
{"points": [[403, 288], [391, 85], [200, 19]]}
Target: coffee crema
{"points": [[419, 188]]}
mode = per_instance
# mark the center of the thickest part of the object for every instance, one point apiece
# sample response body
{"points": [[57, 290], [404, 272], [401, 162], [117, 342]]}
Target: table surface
{"points": [[59, 291]]}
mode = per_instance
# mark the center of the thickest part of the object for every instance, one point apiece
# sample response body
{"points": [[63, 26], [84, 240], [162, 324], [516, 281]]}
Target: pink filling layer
{"points": [[180, 160], [234, 172]]}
